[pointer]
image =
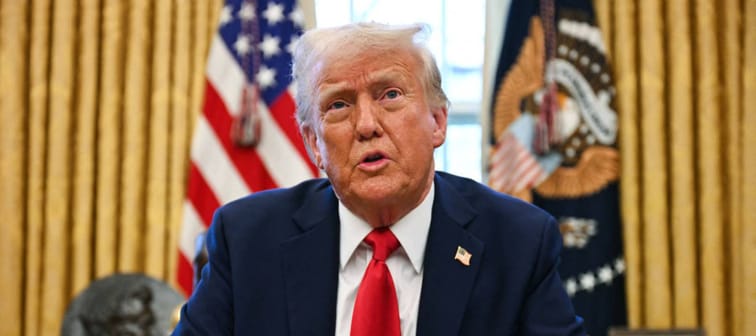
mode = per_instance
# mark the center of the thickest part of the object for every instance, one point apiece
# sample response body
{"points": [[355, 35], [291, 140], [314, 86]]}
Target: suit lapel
{"points": [[447, 282], [310, 266]]}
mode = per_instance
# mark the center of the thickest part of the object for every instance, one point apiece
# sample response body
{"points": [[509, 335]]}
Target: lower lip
{"points": [[374, 165]]}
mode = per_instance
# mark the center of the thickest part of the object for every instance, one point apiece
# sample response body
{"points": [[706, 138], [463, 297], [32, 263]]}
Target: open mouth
{"points": [[373, 158]]}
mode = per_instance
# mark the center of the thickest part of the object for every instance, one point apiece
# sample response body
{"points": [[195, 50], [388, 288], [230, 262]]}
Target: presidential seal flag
{"points": [[246, 139], [554, 143]]}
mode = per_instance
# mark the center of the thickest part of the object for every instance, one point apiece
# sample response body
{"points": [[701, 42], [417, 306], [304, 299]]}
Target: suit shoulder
{"points": [[489, 202], [281, 199]]}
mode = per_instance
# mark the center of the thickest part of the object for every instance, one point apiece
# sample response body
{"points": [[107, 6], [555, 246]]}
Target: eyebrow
{"points": [[376, 78]]}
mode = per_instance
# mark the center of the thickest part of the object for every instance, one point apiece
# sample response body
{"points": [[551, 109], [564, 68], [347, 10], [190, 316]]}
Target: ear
{"points": [[440, 115], [311, 140]]}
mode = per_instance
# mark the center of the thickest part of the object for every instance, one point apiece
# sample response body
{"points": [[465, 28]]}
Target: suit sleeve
{"points": [[209, 309], [548, 310]]}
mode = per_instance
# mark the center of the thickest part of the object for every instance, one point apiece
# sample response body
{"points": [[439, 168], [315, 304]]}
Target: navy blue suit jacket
{"points": [[274, 262]]}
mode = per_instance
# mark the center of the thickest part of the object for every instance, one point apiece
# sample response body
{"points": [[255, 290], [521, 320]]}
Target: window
{"points": [[457, 41]]}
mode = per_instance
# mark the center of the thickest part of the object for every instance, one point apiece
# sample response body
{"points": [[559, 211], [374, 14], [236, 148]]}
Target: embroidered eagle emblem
{"points": [[584, 158]]}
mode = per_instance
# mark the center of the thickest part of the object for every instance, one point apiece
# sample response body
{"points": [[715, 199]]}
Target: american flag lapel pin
{"points": [[462, 256]]}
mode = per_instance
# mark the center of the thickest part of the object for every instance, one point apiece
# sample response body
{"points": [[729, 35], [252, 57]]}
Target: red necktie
{"points": [[376, 310]]}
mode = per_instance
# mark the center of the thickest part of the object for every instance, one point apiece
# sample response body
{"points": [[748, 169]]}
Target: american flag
{"points": [[513, 165], [246, 139]]}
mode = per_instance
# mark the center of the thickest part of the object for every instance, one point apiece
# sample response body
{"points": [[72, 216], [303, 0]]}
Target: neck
{"points": [[389, 212]]}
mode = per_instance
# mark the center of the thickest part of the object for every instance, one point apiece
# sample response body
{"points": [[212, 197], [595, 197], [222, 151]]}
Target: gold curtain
{"points": [[686, 83], [99, 98]]}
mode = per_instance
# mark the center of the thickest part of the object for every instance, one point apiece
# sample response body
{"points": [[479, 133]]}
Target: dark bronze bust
{"points": [[122, 305]]}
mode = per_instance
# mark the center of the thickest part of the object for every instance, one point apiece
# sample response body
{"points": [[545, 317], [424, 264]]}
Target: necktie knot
{"points": [[383, 243]]}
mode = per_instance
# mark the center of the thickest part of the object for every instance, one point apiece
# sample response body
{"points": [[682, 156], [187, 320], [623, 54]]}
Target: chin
{"points": [[378, 195], [379, 189]]}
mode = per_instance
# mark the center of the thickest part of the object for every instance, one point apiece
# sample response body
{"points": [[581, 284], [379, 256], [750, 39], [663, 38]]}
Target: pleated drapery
{"points": [[98, 105], [686, 88]]}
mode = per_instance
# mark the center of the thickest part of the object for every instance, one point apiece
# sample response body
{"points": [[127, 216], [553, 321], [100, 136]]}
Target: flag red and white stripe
{"points": [[513, 166], [221, 171]]}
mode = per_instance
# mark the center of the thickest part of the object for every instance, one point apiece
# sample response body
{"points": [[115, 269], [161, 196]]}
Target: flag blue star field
{"points": [[554, 143], [246, 139]]}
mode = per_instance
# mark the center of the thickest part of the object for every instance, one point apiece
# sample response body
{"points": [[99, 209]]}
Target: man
{"points": [[452, 257]]}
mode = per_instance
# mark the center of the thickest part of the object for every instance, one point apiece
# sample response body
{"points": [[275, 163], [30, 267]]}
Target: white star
{"points": [[270, 46], [297, 16], [571, 286], [265, 77], [292, 44], [605, 274], [225, 16], [619, 265], [247, 12], [242, 45], [584, 60], [588, 281], [569, 240], [274, 13]]}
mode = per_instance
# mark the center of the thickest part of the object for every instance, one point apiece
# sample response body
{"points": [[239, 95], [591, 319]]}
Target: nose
{"points": [[367, 123]]}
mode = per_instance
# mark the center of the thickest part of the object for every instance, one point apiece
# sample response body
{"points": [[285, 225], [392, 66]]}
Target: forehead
{"points": [[367, 68]]}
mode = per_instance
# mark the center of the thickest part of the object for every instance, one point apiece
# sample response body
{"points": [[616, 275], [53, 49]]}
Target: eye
{"points": [[393, 94], [337, 105]]}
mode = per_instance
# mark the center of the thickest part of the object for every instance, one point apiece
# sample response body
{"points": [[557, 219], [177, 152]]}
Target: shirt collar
{"points": [[411, 231]]}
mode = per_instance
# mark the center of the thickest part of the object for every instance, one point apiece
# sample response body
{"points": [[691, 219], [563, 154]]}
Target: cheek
{"points": [[422, 125], [336, 141]]}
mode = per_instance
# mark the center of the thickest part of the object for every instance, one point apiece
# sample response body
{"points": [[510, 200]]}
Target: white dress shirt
{"points": [[405, 264]]}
